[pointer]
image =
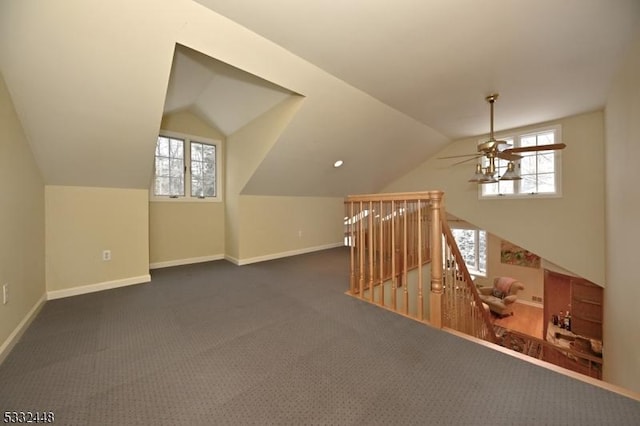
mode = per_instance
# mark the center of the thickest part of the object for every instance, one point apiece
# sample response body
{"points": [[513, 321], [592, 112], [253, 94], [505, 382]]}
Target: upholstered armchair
{"points": [[500, 297]]}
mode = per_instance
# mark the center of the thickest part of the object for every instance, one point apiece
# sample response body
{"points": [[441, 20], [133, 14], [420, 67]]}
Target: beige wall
{"points": [[21, 222], [621, 321], [81, 222], [532, 278], [246, 148], [568, 231], [274, 226], [185, 232]]}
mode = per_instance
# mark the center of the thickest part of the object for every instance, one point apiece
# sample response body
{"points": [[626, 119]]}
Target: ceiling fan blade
{"points": [[468, 159], [458, 156], [508, 156], [549, 147]]}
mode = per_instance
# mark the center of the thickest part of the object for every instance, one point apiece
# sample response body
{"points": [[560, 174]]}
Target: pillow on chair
{"points": [[497, 293]]}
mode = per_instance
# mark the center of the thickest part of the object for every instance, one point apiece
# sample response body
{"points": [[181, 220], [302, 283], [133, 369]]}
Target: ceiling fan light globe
{"points": [[488, 179], [510, 176], [511, 173], [478, 175]]}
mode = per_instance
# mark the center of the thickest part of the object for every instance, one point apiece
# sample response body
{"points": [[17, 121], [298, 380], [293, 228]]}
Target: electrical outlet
{"points": [[106, 255], [5, 294], [536, 299], [299, 233]]}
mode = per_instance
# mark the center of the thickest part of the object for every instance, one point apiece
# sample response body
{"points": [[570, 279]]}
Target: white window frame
{"points": [[187, 175], [516, 136], [476, 271]]}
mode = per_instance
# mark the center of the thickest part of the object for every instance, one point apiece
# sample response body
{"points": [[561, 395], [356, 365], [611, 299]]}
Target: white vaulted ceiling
{"points": [[436, 60], [385, 84], [226, 97]]}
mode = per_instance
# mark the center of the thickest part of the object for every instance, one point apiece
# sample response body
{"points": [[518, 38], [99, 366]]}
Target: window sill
{"points": [[518, 196], [184, 200]]}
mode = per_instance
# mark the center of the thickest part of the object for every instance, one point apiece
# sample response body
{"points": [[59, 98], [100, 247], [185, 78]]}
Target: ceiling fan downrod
{"points": [[491, 99]]}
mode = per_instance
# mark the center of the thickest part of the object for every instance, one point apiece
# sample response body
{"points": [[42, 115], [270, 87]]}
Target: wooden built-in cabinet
{"points": [[581, 297], [586, 303]]}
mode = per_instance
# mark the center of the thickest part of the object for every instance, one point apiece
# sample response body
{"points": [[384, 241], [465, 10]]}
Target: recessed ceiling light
{"points": [[338, 163]]}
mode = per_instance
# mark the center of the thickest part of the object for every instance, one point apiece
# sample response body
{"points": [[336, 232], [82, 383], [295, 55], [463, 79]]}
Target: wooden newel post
{"points": [[435, 299]]}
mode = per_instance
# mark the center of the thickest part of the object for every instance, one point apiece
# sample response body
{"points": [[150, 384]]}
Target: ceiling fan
{"points": [[493, 149]]}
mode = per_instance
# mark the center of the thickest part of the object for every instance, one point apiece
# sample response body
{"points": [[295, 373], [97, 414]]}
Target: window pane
{"points": [[177, 148], [162, 186], [532, 164], [473, 248], [196, 169], [203, 170], [546, 183], [162, 167], [208, 170], [546, 138], [162, 148], [528, 164], [465, 238], [528, 184], [506, 186], [169, 167], [177, 186], [196, 151], [210, 189], [209, 153], [177, 168], [482, 251], [196, 187], [546, 162]]}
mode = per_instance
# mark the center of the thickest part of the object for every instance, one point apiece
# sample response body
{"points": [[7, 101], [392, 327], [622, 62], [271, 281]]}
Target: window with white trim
{"points": [[185, 168], [540, 170], [473, 247]]}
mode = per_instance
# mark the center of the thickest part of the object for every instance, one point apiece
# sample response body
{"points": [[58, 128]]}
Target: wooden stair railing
{"points": [[463, 309], [391, 238]]}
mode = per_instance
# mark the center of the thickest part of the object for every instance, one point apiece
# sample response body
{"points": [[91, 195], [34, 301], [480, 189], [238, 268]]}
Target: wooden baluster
{"points": [[382, 253], [404, 257], [361, 252], [351, 240], [394, 282], [371, 251], [420, 295]]}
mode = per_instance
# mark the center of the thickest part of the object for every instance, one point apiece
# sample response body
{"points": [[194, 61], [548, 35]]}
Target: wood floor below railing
{"points": [[526, 319], [525, 335]]}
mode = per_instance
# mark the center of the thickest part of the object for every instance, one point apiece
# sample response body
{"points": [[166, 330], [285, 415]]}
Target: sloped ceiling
{"points": [[384, 87], [226, 97], [436, 60]]}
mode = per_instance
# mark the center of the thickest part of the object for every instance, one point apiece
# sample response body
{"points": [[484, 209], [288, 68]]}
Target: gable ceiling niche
{"points": [[226, 97]]}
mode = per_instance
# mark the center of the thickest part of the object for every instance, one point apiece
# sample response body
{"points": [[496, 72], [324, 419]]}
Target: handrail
{"points": [[461, 267], [389, 237], [393, 196]]}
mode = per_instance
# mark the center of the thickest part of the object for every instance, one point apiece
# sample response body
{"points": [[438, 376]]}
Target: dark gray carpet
{"points": [[275, 343]]}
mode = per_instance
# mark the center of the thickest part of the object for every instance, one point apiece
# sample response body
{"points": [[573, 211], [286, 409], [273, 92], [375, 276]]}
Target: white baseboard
{"points": [[273, 256], [13, 338], [526, 302], [92, 288], [188, 261]]}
